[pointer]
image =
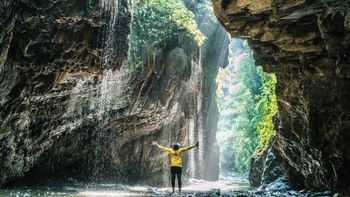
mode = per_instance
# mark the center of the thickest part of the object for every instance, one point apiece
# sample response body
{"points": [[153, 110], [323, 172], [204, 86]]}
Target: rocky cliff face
{"points": [[306, 43], [72, 106], [51, 67]]}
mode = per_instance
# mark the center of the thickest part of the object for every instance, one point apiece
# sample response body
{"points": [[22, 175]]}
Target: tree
{"points": [[155, 21]]}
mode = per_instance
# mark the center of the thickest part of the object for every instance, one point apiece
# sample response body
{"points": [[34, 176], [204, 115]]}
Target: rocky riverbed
{"points": [[196, 188]]}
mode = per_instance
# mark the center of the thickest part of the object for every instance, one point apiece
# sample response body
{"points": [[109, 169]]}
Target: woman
{"points": [[175, 154]]}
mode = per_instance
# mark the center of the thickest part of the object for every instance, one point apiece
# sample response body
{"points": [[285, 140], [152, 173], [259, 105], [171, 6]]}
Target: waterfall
{"points": [[105, 92], [195, 83], [200, 120], [191, 138], [110, 7], [109, 82]]}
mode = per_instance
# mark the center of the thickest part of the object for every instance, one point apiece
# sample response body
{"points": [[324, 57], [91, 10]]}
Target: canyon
{"points": [[73, 106]]}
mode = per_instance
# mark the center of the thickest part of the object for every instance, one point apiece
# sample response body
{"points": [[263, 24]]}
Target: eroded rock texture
{"points": [[72, 106], [50, 73], [306, 43]]}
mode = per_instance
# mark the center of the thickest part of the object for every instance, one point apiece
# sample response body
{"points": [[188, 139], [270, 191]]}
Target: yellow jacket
{"points": [[175, 156]]}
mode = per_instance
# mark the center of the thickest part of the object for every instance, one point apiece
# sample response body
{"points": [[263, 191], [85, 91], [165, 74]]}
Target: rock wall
{"points": [[306, 43], [214, 54], [73, 108], [50, 71]]}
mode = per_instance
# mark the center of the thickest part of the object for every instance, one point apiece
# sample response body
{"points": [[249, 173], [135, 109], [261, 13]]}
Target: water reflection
{"points": [[105, 190], [76, 190]]}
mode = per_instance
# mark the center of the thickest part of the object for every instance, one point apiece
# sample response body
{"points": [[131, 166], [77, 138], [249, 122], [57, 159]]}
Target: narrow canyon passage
{"points": [[247, 103], [87, 86]]}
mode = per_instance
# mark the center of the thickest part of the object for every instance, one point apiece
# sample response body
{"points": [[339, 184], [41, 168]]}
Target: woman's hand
{"points": [[154, 143], [197, 144]]}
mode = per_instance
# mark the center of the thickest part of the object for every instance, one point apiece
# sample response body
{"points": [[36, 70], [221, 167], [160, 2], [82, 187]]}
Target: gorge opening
{"points": [[247, 104]]}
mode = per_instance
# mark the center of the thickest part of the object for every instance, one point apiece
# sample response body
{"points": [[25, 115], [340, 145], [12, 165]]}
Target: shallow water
{"points": [[74, 190], [105, 190]]}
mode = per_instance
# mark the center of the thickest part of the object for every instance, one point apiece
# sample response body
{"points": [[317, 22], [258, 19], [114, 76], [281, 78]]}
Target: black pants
{"points": [[176, 171]]}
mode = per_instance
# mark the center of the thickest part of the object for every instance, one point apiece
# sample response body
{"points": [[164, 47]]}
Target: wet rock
{"points": [[278, 185], [225, 195], [272, 169], [51, 53], [265, 168], [306, 44], [257, 166], [72, 107]]}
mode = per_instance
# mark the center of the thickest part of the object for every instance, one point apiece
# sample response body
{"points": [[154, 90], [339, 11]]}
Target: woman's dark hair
{"points": [[176, 146]]}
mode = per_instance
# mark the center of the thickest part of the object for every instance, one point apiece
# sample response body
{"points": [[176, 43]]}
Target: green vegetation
{"points": [[157, 20], [267, 108], [247, 104]]}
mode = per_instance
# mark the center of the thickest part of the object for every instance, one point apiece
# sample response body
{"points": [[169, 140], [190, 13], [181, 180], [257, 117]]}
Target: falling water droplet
{"points": [[111, 7]]}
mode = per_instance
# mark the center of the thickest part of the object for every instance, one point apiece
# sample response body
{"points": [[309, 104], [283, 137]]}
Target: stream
{"points": [[195, 188], [232, 187]]}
